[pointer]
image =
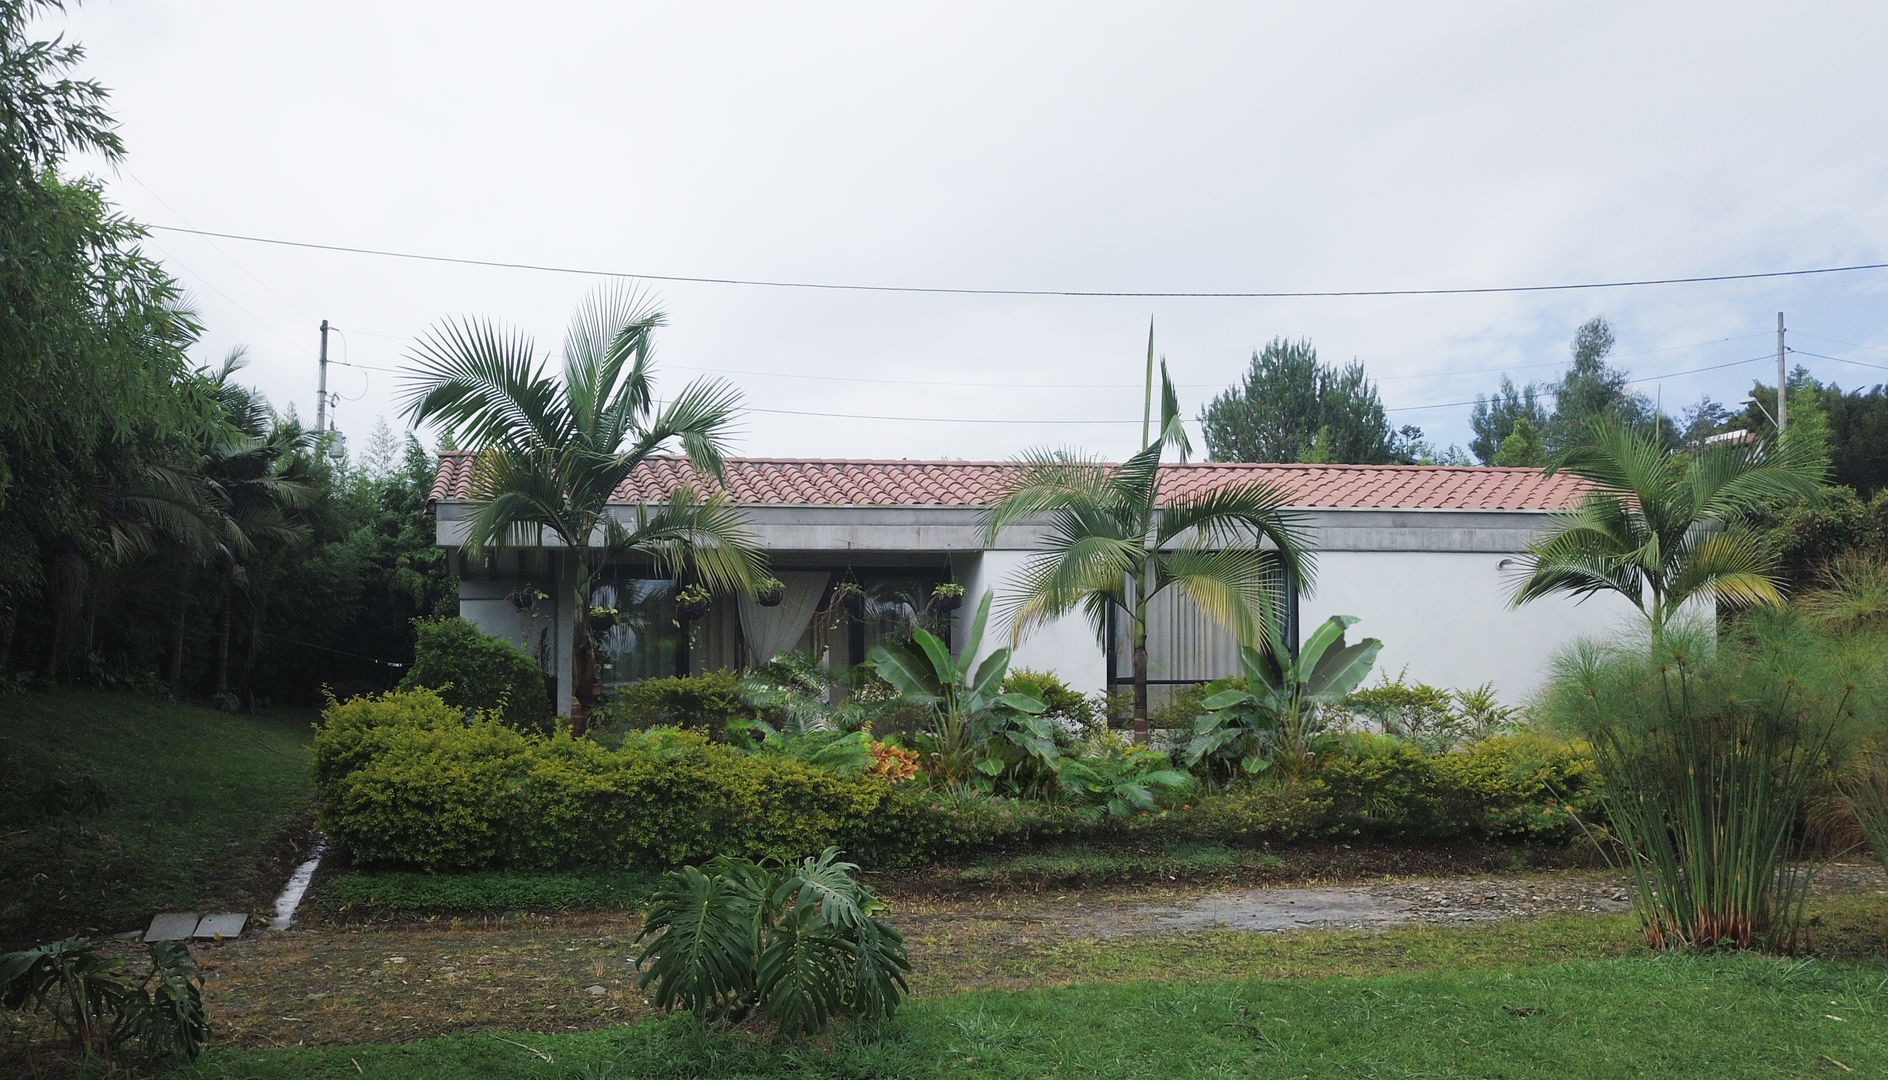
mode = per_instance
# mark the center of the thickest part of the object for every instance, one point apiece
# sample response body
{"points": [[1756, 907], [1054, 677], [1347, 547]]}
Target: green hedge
{"points": [[405, 780], [474, 670], [703, 703], [1512, 787]]}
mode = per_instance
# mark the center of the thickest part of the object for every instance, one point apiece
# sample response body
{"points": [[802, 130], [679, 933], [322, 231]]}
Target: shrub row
{"points": [[406, 780]]}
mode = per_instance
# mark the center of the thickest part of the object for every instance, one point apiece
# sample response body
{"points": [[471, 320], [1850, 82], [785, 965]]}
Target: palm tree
{"points": [[551, 451], [244, 486], [1111, 544], [1663, 527]]}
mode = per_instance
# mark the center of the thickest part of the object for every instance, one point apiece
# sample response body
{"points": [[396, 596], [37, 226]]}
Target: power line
{"points": [[1073, 293], [1840, 359], [286, 302], [1839, 341]]}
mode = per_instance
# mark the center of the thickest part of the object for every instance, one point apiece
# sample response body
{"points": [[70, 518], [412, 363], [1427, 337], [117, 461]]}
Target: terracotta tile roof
{"points": [[783, 482]]}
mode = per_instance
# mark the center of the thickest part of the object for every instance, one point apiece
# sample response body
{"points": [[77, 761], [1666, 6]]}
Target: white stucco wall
{"points": [[483, 604], [1446, 615], [1066, 646]]}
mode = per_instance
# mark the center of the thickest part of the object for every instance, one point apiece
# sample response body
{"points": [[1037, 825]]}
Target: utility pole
{"points": [[1783, 378], [321, 391]]}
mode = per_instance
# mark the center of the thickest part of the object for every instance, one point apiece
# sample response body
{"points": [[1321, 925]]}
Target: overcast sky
{"points": [[1093, 146]]}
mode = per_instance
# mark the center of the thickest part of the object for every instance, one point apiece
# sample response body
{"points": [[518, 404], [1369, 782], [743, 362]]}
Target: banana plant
{"points": [[1274, 719], [978, 726]]}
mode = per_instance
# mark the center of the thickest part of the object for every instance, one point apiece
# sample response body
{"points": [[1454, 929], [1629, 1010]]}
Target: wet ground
{"points": [[392, 982]]}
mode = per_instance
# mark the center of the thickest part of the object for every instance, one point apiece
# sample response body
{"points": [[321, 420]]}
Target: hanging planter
{"points": [[770, 592], [603, 620], [692, 602], [948, 596], [850, 597]]}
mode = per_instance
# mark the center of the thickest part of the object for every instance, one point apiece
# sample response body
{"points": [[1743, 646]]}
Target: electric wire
{"points": [[1071, 293], [1841, 360]]}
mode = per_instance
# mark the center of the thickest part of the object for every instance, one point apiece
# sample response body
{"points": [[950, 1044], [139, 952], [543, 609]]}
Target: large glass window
{"points": [[645, 641], [1184, 647]]}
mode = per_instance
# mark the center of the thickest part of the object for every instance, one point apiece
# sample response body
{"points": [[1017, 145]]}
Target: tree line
{"points": [[159, 522]]}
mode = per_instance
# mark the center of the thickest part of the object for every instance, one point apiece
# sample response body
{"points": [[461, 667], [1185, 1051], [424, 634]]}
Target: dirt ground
{"points": [[402, 981]]}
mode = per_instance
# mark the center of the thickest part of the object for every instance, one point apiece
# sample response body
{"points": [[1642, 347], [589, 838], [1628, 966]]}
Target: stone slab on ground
{"points": [[172, 926], [226, 925]]}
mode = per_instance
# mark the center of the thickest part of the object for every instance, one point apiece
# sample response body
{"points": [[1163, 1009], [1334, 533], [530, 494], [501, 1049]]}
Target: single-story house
{"points": [[1422, 554]]}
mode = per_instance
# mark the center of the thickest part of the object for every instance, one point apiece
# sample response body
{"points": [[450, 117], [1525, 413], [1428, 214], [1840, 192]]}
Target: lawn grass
{"points": [[1081, 864], [399, 894], [192, 800], [1711, 1016]]}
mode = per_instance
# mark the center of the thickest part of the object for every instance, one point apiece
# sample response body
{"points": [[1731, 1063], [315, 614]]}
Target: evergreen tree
{"points": [[1592, 390], [1494, 418], [1522, 447], [1290, 407]]}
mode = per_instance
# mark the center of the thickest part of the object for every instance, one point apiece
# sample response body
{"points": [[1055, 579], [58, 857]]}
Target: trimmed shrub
{"points": [[405, 781], [1383, 786], [1074, 714], [476, 671], [1276, 811], [1525, 787], [703, 703]]}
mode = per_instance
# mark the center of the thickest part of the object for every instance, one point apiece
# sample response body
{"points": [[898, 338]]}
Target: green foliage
{"points": [[1707, 749], [395, 894], [1522, 447], [1120, 780], [119, 805], [1432, 718], [1380, 785], [1807, 534], [958, 821], [1278, 717], [1851, 594], [799, 943], [1496, 419], [553, 449], [406, 781], [794, 693], [89, 998], [1112, 543], [707, 703], [980, 731], [1662, 528], [1073, 713], [1290, 407], [1277, 811], [480, 673]]}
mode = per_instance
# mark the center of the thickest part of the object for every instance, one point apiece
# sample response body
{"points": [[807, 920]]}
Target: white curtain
{"points": [[770, 631]]}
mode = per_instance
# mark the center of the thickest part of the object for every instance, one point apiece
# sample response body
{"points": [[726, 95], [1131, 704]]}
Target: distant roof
{"points": [[818, 482]]}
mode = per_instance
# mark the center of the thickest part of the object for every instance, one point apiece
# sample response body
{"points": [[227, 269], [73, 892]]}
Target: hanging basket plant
{"points": [[603, 619], [770, 592], [948, 596], [692, 602], [849, 597]]}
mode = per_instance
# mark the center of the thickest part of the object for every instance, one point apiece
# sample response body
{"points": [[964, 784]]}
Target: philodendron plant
{"points": [[1000, 736], [1274, 719]]}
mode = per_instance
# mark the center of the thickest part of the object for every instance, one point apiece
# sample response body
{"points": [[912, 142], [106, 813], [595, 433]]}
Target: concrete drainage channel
{"points": [[292, 893], [190, 926]]}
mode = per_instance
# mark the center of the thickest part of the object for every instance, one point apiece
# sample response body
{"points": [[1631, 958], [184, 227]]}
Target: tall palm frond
{"points": [[552, 451], [1666, 528], [1109, 545]]}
